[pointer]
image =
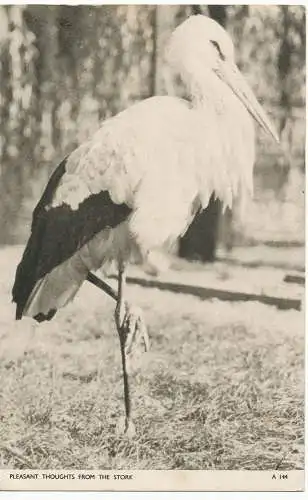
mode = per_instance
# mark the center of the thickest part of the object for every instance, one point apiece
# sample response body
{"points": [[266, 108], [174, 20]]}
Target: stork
{"points": [[136, 184]]}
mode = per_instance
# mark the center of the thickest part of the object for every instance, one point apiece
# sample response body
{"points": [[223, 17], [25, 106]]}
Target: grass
{"points": [[221, 388]]}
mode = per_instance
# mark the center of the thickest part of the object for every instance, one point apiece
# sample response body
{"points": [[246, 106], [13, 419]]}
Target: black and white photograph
{"points": [[152, 257]]}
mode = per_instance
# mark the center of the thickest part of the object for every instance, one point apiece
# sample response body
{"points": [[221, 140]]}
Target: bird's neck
{"points": [[212, 94], [228, 134], [213, 99]]}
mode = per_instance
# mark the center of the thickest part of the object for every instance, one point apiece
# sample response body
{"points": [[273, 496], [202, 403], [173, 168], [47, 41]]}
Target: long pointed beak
{"points": [[231, 75]]}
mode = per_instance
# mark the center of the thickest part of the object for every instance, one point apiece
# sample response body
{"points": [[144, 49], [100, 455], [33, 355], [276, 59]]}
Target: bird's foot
{"points": [[135, 329], [126, 427]]}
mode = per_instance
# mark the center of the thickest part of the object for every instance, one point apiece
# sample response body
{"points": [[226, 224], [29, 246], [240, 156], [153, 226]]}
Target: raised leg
{"points": [[102, 285], [133, 322]]}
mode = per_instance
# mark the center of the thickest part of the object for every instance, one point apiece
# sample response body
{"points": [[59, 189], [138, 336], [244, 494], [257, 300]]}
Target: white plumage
{"points": [[161, 158]]}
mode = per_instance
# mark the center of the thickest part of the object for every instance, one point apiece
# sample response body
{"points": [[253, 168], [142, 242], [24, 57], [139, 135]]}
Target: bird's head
{"points": [[202, 51]]}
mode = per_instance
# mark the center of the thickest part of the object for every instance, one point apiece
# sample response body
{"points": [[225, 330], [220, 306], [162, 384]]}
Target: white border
{"points": [[176, 495]]}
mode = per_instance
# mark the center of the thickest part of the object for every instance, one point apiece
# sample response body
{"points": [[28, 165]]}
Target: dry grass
{"points": [[222, 387]]}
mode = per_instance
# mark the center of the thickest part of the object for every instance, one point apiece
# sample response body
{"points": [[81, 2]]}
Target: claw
{"points": [[135, 328]]}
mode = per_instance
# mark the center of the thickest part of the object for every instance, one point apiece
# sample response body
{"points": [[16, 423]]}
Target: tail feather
{"points": [[56, 289], [26, 273]]}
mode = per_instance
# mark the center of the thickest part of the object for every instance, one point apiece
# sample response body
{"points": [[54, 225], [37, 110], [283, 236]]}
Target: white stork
{"points": [[135, 186]]}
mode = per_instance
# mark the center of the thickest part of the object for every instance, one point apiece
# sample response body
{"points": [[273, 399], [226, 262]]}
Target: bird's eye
{"points": [[217, 47]]}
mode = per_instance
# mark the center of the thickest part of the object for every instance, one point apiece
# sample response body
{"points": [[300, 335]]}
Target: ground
{"points": [[221, 388]]}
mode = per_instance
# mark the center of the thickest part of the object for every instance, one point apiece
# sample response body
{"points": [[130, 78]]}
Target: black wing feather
{"points": [[57, 233]]}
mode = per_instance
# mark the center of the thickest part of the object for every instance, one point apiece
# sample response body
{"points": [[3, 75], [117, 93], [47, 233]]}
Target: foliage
{"points": [[270, 44], [64, 70]]}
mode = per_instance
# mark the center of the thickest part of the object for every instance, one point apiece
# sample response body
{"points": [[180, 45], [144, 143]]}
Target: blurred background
{"points": [[64, 69], [223, 385]]}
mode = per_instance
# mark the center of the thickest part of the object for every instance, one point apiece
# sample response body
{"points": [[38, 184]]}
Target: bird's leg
{"points": [[102, 285], [131, 327], [122, 331], [133, 319]]}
